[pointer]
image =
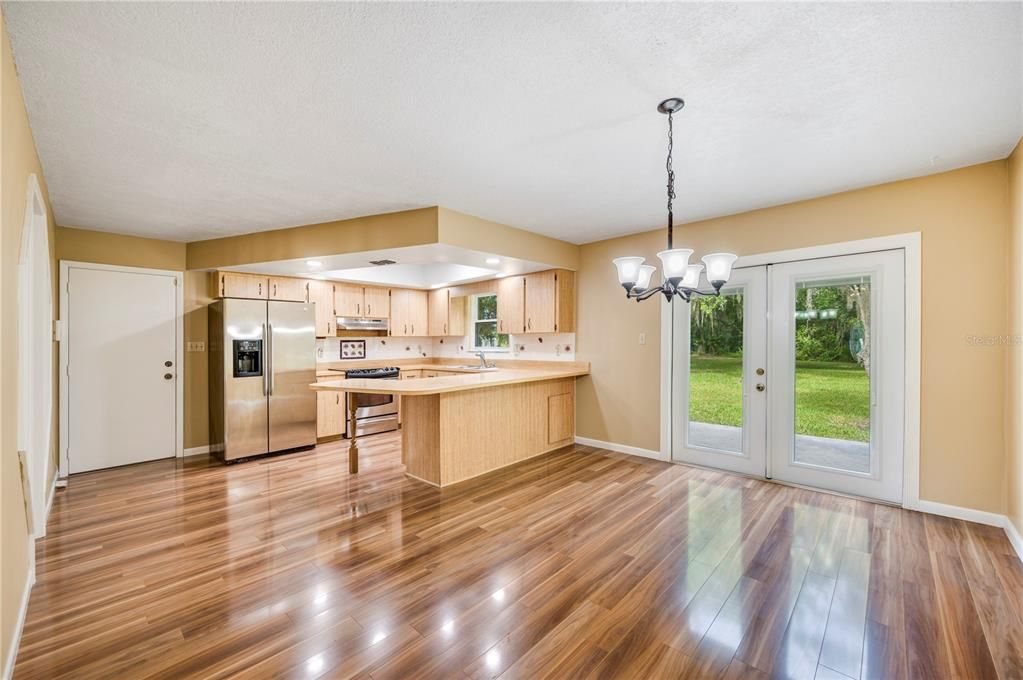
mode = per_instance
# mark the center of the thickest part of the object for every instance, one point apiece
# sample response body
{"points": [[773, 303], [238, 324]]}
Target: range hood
{"points": [[354, 323]]}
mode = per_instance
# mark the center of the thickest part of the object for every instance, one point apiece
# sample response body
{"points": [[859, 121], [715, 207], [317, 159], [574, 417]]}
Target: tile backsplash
{"points": [[535, 347], [329, 349]]}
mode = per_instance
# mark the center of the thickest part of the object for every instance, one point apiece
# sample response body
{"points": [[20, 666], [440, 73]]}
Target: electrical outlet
{"points": [[642, 338], [195, 346]]}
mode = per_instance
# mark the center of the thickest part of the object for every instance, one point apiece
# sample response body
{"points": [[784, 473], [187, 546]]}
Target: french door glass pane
{"points": [[832, 381], [715, 371]]}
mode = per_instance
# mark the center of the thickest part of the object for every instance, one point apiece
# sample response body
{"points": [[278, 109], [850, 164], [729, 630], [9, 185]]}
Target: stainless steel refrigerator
{"points": [[262, 358]]}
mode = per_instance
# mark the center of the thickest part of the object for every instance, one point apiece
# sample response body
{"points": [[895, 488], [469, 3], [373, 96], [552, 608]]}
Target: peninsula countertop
{"points": [[467, 380]]}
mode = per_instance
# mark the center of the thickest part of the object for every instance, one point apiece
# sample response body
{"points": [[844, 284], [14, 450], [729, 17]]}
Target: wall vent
{"points": [[380, 263]]}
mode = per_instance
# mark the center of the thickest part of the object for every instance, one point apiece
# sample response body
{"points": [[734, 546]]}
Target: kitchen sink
{"points": [[477, 368]]}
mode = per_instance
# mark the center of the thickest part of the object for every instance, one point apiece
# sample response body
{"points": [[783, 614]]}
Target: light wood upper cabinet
{"points": [[458, 312], [237, 285], [410, 312], [289, 289], [511, 305], [418, 312], [321, 293], [438, 322], [378, 302], [550, 302], [447, 314], [349, 299]]}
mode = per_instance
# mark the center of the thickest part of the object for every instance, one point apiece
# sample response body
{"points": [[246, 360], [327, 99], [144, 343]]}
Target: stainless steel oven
{"points": [[374, 412]]}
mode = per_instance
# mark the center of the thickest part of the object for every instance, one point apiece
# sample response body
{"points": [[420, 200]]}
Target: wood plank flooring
{"points": [[578, 564]]}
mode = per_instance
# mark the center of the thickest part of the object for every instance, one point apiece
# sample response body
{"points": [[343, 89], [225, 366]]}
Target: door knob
{"points": [[168, 364], [761, 387], [168, 376], [760, 371]]}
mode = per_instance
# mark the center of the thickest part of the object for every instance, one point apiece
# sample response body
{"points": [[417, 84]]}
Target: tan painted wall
{"points": [[965, 236], [84, 245], [1014, 402], [374, 232], [18, 160], [474, 233], [196, 377]]}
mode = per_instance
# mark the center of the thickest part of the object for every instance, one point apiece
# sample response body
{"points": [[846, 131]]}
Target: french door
{"points": [[796, 372]]}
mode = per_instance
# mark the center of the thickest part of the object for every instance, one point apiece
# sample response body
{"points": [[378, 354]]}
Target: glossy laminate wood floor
{"points": [[577, 564]]}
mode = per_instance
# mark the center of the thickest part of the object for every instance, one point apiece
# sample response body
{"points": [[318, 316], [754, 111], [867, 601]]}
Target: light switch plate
{"points": [[195, 346], [642, 338]]}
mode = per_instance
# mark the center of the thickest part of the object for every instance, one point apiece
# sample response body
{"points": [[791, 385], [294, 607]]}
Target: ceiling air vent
{"points": [[380, 263]]}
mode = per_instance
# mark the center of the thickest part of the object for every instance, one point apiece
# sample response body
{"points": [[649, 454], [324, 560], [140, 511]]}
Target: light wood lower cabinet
{"points": [[453, 436], [330, 414]]}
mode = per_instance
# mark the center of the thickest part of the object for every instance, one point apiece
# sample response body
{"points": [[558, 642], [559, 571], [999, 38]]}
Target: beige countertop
{"points": [[467, 380]]}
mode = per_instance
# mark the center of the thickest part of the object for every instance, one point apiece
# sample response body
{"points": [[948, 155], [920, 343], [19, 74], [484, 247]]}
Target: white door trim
{"points": [[179, 350], [910, 243], [35, 354]]}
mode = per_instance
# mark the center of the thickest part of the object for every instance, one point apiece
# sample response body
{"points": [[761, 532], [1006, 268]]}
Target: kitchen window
{"points": [[484, 324]]}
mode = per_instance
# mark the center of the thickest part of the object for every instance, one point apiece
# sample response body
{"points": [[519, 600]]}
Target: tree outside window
{"points": [[484, 324]]}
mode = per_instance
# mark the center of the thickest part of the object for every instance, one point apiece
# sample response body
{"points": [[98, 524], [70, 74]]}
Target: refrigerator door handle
{"points": [[270, 360], [266, 373]]}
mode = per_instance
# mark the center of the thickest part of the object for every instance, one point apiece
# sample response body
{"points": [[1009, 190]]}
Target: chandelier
{"points": [[680, 277]]}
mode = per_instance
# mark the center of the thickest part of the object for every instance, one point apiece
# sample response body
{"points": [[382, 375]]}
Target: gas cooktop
{"points": [[386, 372]]}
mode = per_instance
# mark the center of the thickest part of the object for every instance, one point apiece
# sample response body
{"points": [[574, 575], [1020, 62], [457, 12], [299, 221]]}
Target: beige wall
{"points": [[1014, 402], [962, 216], [374, 232], [474, 233], [18, 160], [84, 245], [196, 377]]}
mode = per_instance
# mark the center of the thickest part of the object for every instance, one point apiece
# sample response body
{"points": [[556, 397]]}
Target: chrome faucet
{"points": [[483, 360]]}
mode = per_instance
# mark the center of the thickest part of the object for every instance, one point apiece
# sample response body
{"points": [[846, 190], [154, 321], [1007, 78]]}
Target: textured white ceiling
{"points": [[190, 121]]}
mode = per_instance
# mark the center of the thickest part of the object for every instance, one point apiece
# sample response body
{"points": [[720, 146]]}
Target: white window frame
{"points": [[474, 319]]}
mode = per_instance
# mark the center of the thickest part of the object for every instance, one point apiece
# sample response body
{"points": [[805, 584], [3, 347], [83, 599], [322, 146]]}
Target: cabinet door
{"points": [[418, 312], [399, 313], [321, 294], [439, 311], [378, 302], [330, 414], [511, 305], [289, 289], [348, 299], [458, 310], [541, 290], [251, 286]]}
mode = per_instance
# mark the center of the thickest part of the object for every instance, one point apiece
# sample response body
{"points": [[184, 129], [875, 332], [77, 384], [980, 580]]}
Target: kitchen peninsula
{"points": [[466, 423]]}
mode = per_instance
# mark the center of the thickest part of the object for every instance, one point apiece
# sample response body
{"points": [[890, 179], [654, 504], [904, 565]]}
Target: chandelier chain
{"points": [[671, 173]]}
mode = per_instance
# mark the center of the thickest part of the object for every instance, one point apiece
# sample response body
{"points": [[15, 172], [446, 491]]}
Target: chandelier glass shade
{"points": [[679, 277]]}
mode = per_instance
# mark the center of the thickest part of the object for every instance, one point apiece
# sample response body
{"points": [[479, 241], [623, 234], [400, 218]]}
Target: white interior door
{"points": [[122, 329], [838, 424], [720, 402]]}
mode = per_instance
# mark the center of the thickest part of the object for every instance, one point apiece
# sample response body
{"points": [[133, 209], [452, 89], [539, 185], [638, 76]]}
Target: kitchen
{"points": [[335, 335]]}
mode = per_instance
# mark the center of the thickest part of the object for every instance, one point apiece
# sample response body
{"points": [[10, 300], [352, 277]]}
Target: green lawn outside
{"points": [[832, 398]]}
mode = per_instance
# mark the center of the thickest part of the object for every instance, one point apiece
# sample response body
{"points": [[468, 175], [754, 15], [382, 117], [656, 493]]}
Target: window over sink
{"points": [[484, 324]]}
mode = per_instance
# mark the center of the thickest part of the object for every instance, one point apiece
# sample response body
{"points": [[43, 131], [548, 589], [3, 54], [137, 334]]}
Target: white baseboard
{"points": [[621, 448], [197, 450], [1014, 538], [15, 642], [957, 512]]}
